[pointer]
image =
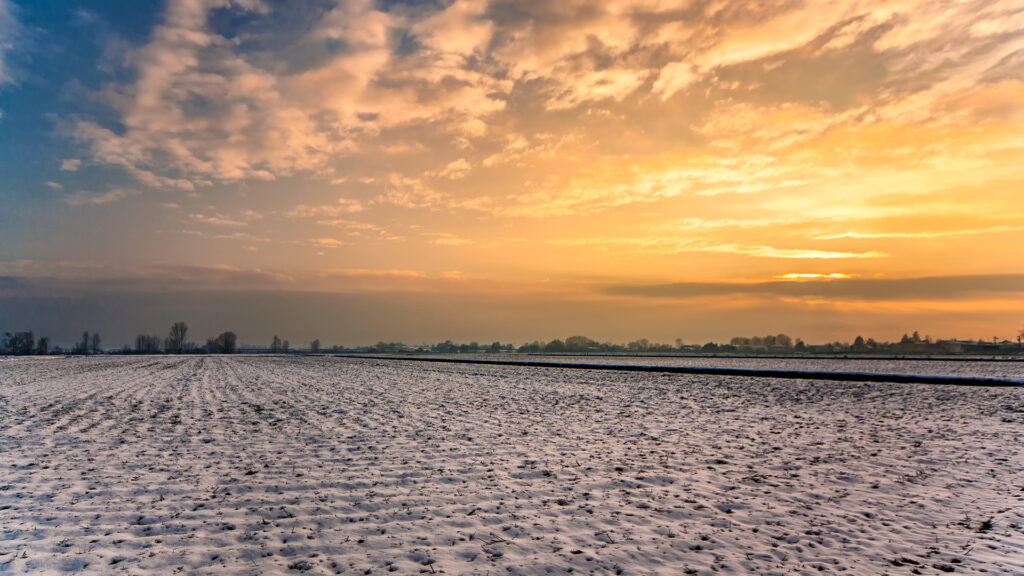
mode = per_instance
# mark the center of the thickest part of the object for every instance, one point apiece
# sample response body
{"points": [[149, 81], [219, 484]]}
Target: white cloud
{"points": [[70, 164], [674, 77], [326, 242], [665, 245], [456, 170], [239, 236], [343, 206], [217, 220], [56, 187], [84, 198], [256, 122]]}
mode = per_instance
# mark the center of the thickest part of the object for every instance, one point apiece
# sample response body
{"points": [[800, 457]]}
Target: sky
{"points": [[357, 170]]}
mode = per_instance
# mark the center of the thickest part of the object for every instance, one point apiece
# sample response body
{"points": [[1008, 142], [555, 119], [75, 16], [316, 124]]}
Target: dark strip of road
{"points": [[747, 372]]}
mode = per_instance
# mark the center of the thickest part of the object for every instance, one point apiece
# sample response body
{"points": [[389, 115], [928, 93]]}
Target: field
{"points": [[290, 465]]}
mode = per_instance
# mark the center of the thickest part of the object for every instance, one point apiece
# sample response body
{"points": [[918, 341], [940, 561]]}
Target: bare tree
{"points": [[43, 347], [275, 345], [84, 345], [314, 346], [94, 343], [175, 343], [229, 342], [21, 343], [147, 344], [225, 343]]}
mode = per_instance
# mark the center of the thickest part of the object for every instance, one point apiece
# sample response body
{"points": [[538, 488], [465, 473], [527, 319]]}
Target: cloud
{"points": [[70, 164], [84, 198], [665, 245], [456, 170], [448, 239], [217, 220], [239, 236], [873, 289], [207, 104], [31, 279], [56, 187], [343, 206], [813, 276], [206, 107], [898, 234], [409, 192], [674, 77], [366, 230], [462, 28], [613, 185], [326, 242]]}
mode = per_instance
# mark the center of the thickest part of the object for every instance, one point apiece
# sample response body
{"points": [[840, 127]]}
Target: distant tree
{"points": [[147, 344], [84, 344], [555, 345], [916, 337], [800, 346], [314, 346], [176, 339], [639, 345], [446, 347], [285, 346], [495, 347], [784, 341], [579, 344], [859, 345], [225, 343], [531, 347], [275, 344], [94, 343], [22, 343], [230, 342], [710, 347], [43, 347]]}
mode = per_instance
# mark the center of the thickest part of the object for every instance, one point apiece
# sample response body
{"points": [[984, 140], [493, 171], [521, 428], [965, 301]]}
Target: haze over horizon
{"points": [[357, 171]]}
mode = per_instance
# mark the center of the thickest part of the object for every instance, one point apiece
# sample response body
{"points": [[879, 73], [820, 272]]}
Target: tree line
{"points": [[177, 342]]}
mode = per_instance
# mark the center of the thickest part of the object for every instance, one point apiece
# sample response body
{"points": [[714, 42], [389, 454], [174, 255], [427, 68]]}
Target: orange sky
{"points": [[578, 156]]}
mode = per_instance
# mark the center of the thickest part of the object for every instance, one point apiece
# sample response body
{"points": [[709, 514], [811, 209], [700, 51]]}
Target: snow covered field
{"points": [[288, 465]]}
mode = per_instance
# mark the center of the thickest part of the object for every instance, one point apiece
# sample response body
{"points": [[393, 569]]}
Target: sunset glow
{"points": [[513, 170]]}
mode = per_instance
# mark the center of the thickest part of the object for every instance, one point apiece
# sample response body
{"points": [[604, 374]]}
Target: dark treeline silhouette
{"points": [[772, 344], [278, 346], [23, 344], [226, 343], [177, 342]]}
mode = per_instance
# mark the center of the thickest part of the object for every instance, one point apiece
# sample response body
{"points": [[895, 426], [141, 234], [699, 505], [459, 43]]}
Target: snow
{"points": [[290, 465]]}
